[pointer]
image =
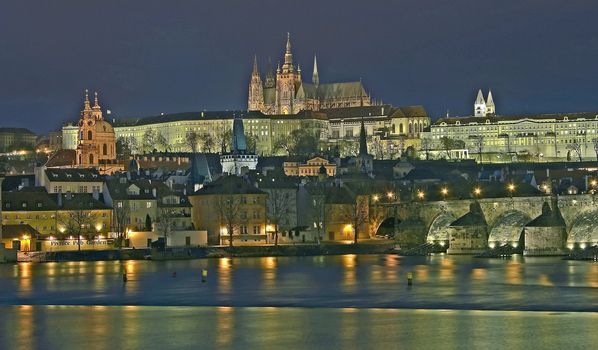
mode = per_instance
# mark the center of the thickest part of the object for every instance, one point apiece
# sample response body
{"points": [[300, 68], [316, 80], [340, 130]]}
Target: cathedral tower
{"points": [[479, 107], [490, 108], [287, 82], [256, 90]]}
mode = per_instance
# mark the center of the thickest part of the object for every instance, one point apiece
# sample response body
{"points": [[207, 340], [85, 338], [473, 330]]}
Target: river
{"points": [[323, 302]]}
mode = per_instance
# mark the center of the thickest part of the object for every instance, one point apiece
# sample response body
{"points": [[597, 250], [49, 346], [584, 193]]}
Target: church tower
{"points": [[315, 78], [96, 142], [287, 82], [490, 108], [256, 90], [479, 107]]}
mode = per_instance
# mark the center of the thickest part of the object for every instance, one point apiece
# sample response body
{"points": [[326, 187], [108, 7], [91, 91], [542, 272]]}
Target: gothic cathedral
{"points": [[288, 94]]}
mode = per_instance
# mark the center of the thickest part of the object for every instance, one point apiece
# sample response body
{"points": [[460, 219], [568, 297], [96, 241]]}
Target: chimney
{"points": [[96, 194], [154, 193], [59, 202], [128, 175], [547, 173]]}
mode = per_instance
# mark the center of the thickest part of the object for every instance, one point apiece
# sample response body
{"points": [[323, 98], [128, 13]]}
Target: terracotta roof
{"points": [[63, 157]]}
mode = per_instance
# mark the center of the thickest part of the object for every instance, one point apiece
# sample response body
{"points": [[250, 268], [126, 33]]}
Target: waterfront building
{"points": [[230, 206], [287, 93], [16, 139], [136, 199], [54, 214]]}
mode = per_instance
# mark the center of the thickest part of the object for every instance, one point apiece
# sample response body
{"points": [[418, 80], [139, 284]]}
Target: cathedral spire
{"points": [[96, 102], [255, 71], [86, 104], [288, 56], [315, 78]]}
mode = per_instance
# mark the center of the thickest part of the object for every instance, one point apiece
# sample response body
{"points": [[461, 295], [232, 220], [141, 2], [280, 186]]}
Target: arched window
{"points": [[89, 135], [91, 159], [401, 128], [410, 128], [105, 149]]}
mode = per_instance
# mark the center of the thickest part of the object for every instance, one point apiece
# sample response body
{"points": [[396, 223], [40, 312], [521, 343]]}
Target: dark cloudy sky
{"points": [[150, 56]]}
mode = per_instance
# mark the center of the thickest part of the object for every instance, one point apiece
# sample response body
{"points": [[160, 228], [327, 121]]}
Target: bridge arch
{"points": [[584, 228], [507, 227], [439, 228]]}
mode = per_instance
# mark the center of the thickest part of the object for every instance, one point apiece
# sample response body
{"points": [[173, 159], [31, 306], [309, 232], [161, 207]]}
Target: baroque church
{"points": [[286, 93]]}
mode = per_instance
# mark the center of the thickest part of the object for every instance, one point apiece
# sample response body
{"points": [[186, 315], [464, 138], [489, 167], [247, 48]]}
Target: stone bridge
{"points": [[428, 221]]}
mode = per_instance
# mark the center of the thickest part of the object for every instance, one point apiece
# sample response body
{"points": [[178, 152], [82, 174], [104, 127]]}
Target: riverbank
{"points": [[185, 253]]}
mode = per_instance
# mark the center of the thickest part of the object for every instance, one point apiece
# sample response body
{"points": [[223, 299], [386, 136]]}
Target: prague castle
{"points": [[287, 93]]}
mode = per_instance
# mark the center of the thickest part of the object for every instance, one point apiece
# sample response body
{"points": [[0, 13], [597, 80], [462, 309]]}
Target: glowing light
{"points": [[514, 244], [444, 191], [61, 229], [98, 227], [223, 231], [421, 195], [25, 237], [375, 198], [477, 191], [511, 187], [389, 195], [492, 245], [582, 246], [594, 183], [570, 245], [442, 243]]}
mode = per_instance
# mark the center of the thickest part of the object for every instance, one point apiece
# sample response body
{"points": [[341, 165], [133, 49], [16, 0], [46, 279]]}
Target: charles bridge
{"points": [[428, 221]]}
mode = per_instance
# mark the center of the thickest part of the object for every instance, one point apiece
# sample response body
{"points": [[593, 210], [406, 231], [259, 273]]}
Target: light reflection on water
{"points": [[439, 281], [148, 327]]}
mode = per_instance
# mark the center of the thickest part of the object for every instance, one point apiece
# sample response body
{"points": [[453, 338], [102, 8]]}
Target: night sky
{"points": [[150, 56]]}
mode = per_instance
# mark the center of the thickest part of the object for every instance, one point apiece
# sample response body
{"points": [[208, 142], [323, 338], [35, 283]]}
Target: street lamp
{"points": [[389, 195], [511, 189], [477, 191], [444, 192], [421, 195], [375, 198]]}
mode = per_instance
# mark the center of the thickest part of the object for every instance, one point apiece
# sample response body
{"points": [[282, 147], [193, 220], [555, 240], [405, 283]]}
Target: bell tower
{"points": [[255, 101]]}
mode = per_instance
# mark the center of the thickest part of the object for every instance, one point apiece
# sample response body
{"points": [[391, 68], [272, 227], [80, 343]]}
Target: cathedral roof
{"points": [[341, 90], [307, 91]]}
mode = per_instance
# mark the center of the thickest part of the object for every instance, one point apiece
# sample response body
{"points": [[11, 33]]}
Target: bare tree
{"points": [[357, 214], [575, 147], [208, 143], [149, 141], [426, 147], [165, 221], [122, 214], [478, 146], [161, 142], [191, 140], [279, 202], [78, 222], [377, 214], [228, 206], [377, 148], [318, 213], [223, 137]]}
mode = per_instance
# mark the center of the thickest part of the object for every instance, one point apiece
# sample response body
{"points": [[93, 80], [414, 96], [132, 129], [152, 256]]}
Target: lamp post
{"points": [[511, 188], [593, 183], [477, 192], [444, 192]]}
